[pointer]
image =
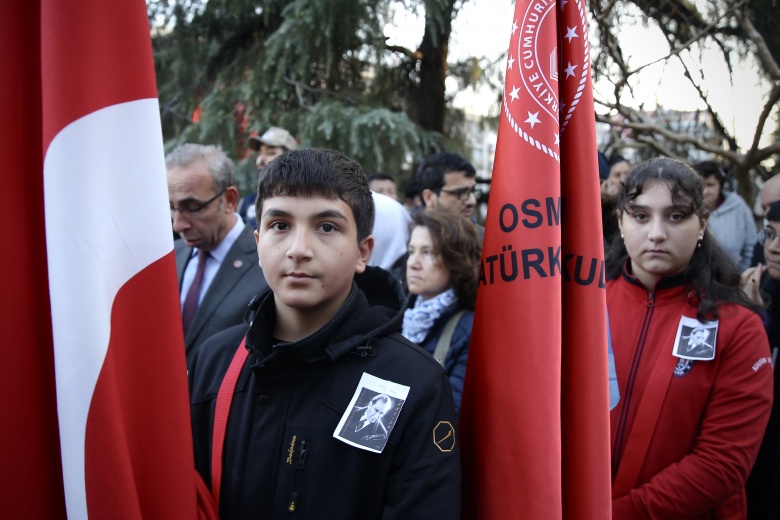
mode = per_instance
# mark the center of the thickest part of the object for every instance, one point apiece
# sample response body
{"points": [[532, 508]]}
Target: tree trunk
{"points": [[429, 98]]}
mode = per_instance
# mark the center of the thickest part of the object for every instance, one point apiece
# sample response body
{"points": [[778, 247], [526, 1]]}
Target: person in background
{"points": [[216, 259], [448, 183], [383, 183], [688, 427], [391, 234], [770, 193], [762, 286], [730, 221], [442, 273], [609, 190], [273, 143], [619, 168], [413, 197]]}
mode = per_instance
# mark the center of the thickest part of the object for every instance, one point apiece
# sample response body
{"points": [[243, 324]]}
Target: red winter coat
{"points": [[685, 434]]}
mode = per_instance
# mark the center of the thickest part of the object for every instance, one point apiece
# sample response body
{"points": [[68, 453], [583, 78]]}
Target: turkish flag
{"points": [[535, 418], [95, 417]]}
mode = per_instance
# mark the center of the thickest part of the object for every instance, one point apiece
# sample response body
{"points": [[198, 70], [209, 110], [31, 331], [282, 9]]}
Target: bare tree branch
{"points": [[644, 128], [762, 50], [414, 55], [686, 26], [658, 147], [771, 103], [719, 127]]}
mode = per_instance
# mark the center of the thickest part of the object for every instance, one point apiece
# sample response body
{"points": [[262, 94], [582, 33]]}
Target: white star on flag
{"points": [[514, 92], [533, 119], [557, 138], [571, 33], [514, 27], [509, 63], [570, 70]]}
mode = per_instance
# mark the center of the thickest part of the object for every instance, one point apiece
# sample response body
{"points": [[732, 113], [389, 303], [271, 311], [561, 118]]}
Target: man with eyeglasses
{"points": [[216, 256], [448, 183]]}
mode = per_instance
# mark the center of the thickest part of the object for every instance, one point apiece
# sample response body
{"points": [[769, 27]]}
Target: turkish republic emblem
{"points": [[547, 70]]}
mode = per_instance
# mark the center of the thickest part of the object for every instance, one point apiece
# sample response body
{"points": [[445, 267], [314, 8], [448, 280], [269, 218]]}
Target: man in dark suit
{"points": [[216, 256]]}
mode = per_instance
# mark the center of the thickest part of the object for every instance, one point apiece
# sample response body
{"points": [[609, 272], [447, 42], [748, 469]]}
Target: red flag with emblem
{"points": [[535, 418], [95, 420]]}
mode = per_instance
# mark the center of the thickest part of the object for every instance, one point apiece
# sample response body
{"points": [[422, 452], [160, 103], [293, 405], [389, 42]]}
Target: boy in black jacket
{"points": [[334, 413]]}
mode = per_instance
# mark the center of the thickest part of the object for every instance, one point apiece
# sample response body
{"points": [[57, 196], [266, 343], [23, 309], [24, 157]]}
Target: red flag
{"points": [[95, 420], [535, 416]]}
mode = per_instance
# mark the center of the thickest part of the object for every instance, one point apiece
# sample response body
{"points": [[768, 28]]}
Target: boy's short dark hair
{"points": [[430, 174], [315, 172]]}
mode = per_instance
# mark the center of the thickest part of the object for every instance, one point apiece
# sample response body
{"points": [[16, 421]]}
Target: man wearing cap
{"points": [[273, 143]]}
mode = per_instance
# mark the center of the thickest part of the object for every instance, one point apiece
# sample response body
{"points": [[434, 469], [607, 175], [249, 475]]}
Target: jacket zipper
{"points": [[303, 452], [617, 451]]}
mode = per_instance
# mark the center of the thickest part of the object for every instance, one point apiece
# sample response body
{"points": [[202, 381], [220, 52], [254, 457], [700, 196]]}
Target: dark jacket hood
{"points": [[374, 308]]}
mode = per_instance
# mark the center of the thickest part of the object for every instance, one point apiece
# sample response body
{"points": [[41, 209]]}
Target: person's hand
{"points": [[751, 281]]}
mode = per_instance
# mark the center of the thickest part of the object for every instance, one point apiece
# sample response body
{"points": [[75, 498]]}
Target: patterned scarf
{"points": [[419, 319]]}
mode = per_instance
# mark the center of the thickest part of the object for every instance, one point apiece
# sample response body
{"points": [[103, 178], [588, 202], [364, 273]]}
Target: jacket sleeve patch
{"points": [[444, 436]]}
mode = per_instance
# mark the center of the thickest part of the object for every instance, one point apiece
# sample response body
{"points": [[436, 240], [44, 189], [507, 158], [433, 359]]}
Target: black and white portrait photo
{"points": [[372, 414], [695, 339]]}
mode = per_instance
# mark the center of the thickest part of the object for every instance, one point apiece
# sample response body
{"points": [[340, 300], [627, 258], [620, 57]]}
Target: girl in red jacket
{"points": [[692, 358]]}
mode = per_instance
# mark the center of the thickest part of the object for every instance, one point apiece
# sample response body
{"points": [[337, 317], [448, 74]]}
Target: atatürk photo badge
{"points": [[372, 413], [695, 339]]}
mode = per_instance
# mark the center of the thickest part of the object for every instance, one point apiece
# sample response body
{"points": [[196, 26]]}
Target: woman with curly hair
{"points": [[441, 272]]}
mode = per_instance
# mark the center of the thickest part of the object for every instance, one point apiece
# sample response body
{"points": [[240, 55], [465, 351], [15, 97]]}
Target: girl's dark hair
{"points": [[713, 275], [455, 238]]}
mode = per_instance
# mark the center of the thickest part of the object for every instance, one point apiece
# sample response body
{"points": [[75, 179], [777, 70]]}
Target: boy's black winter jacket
{"points": [[280, 458]]}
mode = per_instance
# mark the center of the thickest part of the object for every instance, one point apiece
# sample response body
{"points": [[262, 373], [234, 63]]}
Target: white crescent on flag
{"points": [[105, 200]]}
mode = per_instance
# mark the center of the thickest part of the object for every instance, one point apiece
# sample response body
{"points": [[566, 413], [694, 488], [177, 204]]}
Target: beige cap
{"points": [[274, 136]]}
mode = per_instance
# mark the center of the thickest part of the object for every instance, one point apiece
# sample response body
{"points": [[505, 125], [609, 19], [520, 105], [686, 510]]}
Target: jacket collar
{"points": [[373, 308], [664, 282]]}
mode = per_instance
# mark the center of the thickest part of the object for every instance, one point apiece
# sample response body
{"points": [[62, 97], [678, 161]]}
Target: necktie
{"points": [[191, 301]]}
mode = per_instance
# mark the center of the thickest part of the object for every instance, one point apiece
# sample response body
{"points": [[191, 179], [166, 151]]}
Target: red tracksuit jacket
{"points": [[685, 433]]}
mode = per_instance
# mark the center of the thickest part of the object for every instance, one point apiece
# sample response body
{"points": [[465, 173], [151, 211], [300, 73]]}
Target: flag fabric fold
{"points": [[535, 418], [97, 349]]}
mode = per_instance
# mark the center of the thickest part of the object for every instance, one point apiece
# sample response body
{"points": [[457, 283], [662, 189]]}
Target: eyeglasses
{"points": [[191, 208], [461, 193], [770, 234]]}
